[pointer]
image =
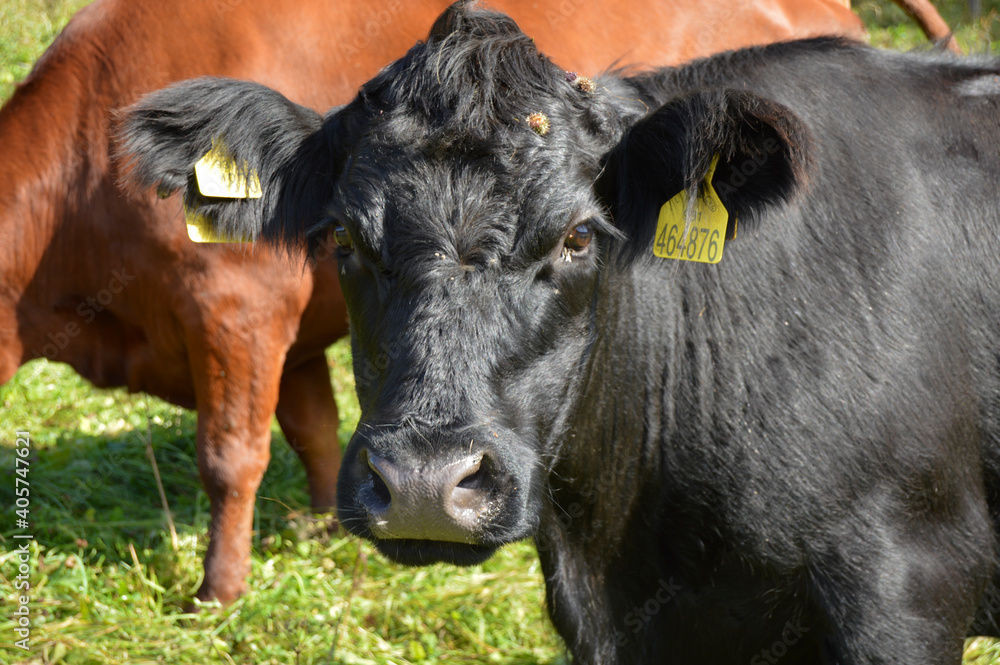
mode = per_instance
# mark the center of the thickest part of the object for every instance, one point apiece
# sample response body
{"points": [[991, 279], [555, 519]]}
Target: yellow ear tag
{"points": [[201, 229], [218, 176], [699, 238]]}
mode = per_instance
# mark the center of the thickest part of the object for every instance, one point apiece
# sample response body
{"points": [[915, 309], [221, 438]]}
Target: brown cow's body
{"points": [[112, 285]]}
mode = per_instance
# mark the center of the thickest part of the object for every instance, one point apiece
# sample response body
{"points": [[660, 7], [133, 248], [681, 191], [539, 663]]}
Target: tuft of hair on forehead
{"points": [[477, 69]]}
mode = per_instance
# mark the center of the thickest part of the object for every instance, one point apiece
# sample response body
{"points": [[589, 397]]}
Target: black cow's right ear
{"points": [[762, 147], [272, 153]]}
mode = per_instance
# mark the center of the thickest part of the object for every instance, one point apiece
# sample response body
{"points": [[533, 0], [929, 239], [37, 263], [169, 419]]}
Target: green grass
{"points": [[889, 27], [26, 29], [108, 584], [108, 587]]}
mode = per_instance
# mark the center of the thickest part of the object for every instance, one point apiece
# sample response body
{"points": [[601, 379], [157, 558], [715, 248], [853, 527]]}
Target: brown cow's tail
{"points": [[930, 21]]}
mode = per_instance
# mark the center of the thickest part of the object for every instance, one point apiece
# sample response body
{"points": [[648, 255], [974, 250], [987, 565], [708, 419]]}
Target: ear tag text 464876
{"points": [[698, 237], [218, 177]]}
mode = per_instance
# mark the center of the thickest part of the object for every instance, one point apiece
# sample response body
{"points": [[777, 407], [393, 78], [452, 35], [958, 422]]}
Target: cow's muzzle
{"points": [[448, 502], [452, 494]]}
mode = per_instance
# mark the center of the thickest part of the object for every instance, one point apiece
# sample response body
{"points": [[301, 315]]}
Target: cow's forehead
{"points": [[489, 201], [485, 93], [543, 134], [472, 141]]}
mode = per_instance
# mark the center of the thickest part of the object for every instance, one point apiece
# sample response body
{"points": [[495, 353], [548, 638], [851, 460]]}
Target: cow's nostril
{"points": [[474, 481], [470, 496], [379, 489]]}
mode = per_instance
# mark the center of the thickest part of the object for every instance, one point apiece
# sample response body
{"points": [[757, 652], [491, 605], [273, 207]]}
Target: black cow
{"points": [[789, 454]]}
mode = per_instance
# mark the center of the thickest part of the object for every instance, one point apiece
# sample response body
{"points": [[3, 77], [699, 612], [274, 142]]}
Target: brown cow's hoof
{"points": [[326, 522], [198, 606]]}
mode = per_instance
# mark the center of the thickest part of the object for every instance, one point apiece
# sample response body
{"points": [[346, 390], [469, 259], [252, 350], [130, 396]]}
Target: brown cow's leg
{"points": [[930, 21], [8, 368], [307, 414], [11, 346], [231, 472], [237, 393]]}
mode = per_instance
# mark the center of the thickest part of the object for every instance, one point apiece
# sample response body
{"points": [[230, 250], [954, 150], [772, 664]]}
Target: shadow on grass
{"points": [[102, 490], [94, 502], [107, 585]]}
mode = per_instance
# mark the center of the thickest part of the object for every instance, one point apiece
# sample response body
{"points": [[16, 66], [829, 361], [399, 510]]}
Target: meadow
{"points": [[110, 572]]}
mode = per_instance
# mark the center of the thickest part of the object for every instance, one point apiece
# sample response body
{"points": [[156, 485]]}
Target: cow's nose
{"points": [[433, 502]]}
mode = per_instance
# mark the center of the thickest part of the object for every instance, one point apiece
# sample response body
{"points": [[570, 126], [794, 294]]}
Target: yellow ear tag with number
{"points": [[700, 238], [219, 178]]}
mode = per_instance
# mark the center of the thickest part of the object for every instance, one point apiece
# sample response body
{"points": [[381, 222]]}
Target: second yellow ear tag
{"points": [[698, 238], [201, 229], [218, 176]]}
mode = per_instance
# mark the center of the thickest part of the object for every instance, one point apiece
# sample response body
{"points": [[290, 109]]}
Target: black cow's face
{"points": [[461, 188], [469, 272]]}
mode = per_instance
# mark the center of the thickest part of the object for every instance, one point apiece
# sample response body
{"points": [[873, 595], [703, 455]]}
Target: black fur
{"points": [[791, 456], [168, 131]]}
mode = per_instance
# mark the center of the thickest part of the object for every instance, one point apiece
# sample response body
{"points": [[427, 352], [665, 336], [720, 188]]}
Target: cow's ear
{"points": [[763, 153], [269, 169]]}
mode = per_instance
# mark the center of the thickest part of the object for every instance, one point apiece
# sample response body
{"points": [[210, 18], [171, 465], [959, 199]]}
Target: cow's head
{"points": [[480, 199]]}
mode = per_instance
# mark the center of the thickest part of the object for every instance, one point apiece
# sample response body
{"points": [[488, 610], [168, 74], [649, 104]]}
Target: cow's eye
{"points": [[342, 237], [579, 238]]}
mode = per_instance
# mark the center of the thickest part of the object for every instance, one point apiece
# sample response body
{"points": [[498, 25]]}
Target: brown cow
{"points": [[112, 285]]}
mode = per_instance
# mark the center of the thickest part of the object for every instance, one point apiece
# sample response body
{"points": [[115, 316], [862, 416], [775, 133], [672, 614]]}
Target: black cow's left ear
{"points": [[251, 164], [762, 147]]}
